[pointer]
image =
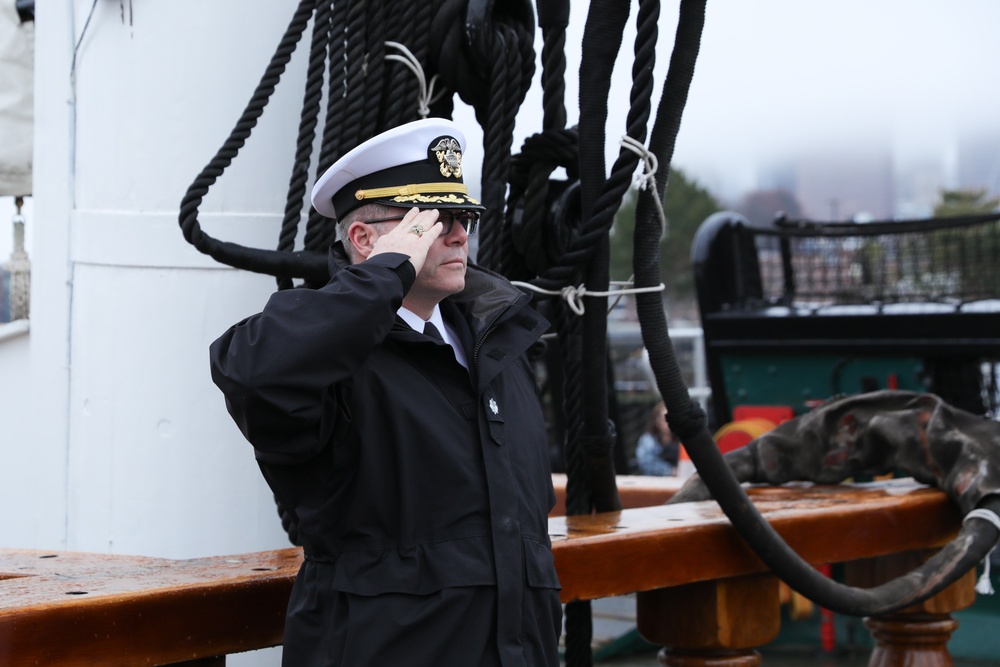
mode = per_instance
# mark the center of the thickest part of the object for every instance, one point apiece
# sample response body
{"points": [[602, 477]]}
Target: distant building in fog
{"points": [[870, 181], [918, 187], [843, 184], [979, 162]]}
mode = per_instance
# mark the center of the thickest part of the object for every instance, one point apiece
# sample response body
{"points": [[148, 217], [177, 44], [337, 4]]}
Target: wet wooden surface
{"points": [[633, 490], [670, 545], [63, 608]]}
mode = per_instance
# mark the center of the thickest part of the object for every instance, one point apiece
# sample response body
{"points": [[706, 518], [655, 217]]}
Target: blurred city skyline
{"points": [[861, 86], [857, 108]]}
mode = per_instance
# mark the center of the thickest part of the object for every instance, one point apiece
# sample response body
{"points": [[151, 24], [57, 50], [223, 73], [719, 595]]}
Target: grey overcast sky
{"points": [[779, 77]]}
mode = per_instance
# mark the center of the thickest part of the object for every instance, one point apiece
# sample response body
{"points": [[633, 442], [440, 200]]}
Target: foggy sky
{"points": [[781, 77]]}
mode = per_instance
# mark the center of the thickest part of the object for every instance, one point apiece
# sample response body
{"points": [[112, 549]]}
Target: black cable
{"points": [[686, 419]]}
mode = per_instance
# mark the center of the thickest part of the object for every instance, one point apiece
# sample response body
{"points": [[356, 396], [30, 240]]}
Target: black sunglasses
{"points": [[468, 219]]}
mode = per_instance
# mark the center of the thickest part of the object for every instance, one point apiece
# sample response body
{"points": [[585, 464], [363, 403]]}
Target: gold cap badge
{"points": [[449, 156]]}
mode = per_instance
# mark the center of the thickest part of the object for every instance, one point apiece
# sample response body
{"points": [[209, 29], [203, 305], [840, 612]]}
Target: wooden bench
{"points": [[701, 591]]}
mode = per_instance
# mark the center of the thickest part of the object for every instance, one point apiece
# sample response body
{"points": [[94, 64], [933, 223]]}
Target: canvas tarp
{"points": [[17, 54]]}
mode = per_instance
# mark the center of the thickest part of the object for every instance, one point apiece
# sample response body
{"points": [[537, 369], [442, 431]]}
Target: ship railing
{"points": [[700, 592]]}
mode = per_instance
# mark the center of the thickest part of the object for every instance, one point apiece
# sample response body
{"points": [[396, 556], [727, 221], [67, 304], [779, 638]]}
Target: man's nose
{"points": [[457, 234]]}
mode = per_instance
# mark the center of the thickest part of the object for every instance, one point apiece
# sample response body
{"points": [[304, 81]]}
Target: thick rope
{"points": [[602, 41], [553, 17], [252, 259], [356, 34], [975, 539], [373, 67], [399, 86], [599, 57], [506, 94], [332, 124], [307, 134]]}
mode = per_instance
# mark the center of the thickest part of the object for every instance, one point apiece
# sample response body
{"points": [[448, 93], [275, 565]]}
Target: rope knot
{"points": [[573, 295], [426, 96], [647, 180], [574, 298]]}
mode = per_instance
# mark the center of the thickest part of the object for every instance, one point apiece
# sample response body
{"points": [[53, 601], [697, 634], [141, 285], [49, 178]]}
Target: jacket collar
{"points": [[487, 296]]}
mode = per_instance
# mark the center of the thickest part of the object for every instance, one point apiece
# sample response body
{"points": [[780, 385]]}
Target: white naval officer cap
{"points": [[416, 164]]}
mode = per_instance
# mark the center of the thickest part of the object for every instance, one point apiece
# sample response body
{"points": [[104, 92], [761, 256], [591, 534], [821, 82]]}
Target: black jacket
{"points": [[405, 475]]}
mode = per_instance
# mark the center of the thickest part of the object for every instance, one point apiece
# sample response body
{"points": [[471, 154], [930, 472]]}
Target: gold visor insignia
{"points": [[449, 156]]}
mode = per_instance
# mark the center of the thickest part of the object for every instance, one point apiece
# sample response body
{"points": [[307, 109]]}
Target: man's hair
{"points": [[362, 213]]}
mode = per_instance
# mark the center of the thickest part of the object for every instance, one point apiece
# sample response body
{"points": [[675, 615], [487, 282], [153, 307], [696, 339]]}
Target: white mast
{"points": [[115, 439]]}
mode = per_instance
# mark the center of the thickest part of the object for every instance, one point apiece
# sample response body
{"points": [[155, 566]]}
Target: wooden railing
{"points": [[701, 592]]}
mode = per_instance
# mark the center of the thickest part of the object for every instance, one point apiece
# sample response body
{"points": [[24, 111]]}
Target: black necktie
{"points": [[432, 331]]}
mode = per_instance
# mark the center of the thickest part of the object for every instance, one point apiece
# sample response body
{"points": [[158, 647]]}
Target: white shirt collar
{"points": [[417, 324]]}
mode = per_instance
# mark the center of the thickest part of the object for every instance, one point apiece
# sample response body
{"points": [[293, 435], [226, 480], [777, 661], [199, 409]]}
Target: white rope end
{"points": [[984, 586]]}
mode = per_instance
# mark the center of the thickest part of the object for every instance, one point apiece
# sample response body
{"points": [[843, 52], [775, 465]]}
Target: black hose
{"points": [[687, 420]]}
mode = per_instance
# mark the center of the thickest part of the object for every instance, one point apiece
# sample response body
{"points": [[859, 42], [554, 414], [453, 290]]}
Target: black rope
{"points": [[489, 64], [686, 419], [590, 441], [543, 216], [494, 184], [553, 17], [579, 634], [280, 264], [401, 88], [356, 34], [307, 133], [530, 252], [374, 72], [336, 76], [605, 24]]}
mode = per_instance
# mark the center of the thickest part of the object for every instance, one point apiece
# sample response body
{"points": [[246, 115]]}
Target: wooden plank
{"points": [[670, 545], [75, 609], [61, 608]]}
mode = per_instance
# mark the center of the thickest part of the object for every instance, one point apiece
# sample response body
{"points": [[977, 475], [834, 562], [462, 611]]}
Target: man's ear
{"points": [[362, 238]]}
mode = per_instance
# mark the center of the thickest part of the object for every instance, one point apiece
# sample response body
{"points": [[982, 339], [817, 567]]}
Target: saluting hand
{"points": [[413, 236]]}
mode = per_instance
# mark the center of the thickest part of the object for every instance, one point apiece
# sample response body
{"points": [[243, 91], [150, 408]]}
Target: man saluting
{"points": [[395, 416]]}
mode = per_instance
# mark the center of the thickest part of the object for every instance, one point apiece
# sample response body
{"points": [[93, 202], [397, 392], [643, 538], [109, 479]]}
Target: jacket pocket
{"points": [[539, 565]]}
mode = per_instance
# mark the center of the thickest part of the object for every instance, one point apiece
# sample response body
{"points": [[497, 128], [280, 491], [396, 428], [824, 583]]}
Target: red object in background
{"points": [[750, 422], [774, 413]]}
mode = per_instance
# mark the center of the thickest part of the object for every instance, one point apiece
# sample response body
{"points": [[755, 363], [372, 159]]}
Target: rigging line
{"points": [[573, 295], [426, 96], [72, 68], [647, 180]]}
